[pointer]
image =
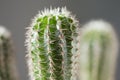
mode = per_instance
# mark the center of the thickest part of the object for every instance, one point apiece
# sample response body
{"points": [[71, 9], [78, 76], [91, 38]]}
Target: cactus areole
{"points": [[50, 40]]}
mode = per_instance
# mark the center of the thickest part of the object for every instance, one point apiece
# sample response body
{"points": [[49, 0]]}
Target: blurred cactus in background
{"points": [[98, 48], [50, 44], [7, 59]]}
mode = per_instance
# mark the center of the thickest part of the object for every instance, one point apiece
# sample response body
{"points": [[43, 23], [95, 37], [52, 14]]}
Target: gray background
{"points": [[16, 15]]}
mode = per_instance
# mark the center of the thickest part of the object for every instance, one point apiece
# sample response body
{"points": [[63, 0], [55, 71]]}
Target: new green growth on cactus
{"points": [[7, 64], [98, 51], [50, 41]]}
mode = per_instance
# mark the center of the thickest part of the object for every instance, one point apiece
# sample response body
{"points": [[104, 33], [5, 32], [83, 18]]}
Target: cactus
{"points": [[50, 40], [98, 51], [7, 64]]}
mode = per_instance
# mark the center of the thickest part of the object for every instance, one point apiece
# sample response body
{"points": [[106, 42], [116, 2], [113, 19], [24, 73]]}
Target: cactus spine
{"points": [[7, 64], [50, 41], [98, 48]]}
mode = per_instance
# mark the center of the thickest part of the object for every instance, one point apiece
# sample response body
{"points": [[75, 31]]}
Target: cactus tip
{"points": [[4, 31]]}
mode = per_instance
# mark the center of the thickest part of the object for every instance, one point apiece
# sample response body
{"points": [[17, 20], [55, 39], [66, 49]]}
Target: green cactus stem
{"points": [[98, 51], [50, 40], [7, 63]]}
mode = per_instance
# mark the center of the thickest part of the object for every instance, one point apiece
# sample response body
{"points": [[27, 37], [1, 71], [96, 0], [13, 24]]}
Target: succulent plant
{"points": [[7, 59], [50, 44], [98, 51]]}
